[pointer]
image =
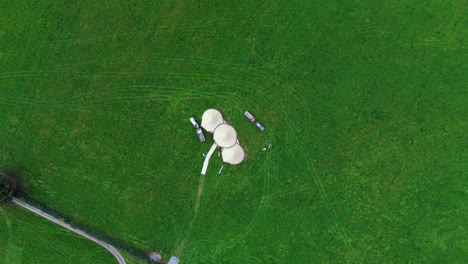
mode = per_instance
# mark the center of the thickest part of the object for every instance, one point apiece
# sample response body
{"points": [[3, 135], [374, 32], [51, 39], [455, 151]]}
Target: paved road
{"points": [[110, 248]]}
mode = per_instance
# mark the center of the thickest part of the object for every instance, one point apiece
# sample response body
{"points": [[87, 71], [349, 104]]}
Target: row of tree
{"points": [[7, 188]]}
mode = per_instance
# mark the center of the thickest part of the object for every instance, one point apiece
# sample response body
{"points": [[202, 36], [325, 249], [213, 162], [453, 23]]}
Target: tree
{"points": [[7, 188]]}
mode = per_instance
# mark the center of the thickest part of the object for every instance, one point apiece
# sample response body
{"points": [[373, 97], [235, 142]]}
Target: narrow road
{"points": [[110, 248]]}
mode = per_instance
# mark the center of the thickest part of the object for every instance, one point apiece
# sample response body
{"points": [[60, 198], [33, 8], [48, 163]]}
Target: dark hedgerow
{"points": [[7, 188]]}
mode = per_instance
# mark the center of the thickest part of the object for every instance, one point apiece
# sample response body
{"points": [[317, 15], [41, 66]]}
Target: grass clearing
{"points": [[362, 102]]}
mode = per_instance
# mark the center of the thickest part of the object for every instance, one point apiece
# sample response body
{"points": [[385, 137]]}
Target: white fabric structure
{"points": [[225, 136], [207, 158], [211, 119], [233, 155]]}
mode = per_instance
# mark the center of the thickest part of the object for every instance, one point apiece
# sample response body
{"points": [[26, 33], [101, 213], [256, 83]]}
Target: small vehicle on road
{"points": [[198, 129]]}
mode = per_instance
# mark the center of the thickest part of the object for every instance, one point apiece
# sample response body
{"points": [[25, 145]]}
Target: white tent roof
{"points": [[211, 119], [225, 136], [233, 155]]}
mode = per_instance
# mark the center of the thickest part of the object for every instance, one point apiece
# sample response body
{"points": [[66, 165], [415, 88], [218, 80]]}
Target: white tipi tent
{"points": [[225, 136], [233, 155], [211, 119]]}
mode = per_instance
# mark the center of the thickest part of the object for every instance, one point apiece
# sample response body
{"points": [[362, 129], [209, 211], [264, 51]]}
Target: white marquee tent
{"points": [[225, 136], [211, 119], [233, 155]]}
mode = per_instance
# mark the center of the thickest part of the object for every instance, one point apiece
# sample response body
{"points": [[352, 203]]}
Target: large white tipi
{"points": [[225, 136], [233, 155], [211, 119]]}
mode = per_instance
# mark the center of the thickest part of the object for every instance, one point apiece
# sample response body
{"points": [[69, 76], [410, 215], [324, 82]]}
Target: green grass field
{"points": [[364, 102]]}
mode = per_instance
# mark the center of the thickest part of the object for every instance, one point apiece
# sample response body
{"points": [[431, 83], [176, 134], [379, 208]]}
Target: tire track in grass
{"points": [[317, 181], [181, 28], [249, 71], [263, 201], [38, 106], [201, 184], [120, 74], [323, 194], [231, 243], [175, 224], [200, 190], [309, 168], [69, 103], [197, 204], [122, 91], [267, 178], [180, 249], [21, 103], [226, 245], [260, 208]]}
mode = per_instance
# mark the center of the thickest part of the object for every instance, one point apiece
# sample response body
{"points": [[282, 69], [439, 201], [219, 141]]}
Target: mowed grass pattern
{"points": [[362, 101]]}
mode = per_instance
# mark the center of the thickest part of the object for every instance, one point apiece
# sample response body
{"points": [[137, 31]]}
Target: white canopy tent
{"points": [[225, 136], [211, 118], [233, 155]]}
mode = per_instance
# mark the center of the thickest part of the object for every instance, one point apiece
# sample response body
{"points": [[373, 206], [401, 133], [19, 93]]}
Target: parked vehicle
{"points": [[198, 129], [259, 126], [249, 116], [252, 119]]}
